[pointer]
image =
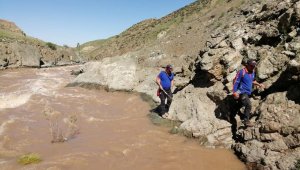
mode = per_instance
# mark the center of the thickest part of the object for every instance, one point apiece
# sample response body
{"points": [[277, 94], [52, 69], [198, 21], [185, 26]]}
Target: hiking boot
{"points": [[248, 123]]}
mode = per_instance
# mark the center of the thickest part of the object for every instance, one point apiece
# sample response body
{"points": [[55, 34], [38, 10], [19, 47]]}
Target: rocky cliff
{"points": [[207, 48], [19, 50]]}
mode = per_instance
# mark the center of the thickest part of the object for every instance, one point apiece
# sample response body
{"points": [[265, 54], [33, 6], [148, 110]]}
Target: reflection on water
{"points": [[113, 132]]}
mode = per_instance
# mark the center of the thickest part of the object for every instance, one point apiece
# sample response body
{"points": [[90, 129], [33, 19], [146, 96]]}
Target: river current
{"points": [[77, 128]]}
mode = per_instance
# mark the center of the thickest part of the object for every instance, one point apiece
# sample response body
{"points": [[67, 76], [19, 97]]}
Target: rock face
{"points": [[23, 54], [194, 109], [268, 32], [118, 73], [28, 55], [10, 26], [276, 135], [18, 50]]}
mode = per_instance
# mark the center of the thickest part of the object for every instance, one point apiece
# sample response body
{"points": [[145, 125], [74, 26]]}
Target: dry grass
{"points": [[10, 36], [61, 128], [297, 165], [142, 34]]}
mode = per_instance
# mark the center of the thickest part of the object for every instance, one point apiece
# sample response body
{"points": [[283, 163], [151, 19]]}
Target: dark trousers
{"points": [[163, 97], [244, 101]]}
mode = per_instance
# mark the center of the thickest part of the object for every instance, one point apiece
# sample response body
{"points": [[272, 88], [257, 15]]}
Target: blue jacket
{"points": [[165, 80], [243, 82]]}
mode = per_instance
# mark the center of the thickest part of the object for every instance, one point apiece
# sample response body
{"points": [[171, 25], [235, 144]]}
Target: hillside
{"points": [[10, 32], [177, 33], [20, 50], [10, 27]]}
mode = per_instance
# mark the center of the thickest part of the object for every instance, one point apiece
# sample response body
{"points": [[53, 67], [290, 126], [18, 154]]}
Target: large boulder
{"points": [[209, 59], [28, 55], [197, 112], [118, 73], [271, 63], [278, 109], [147, 82]]}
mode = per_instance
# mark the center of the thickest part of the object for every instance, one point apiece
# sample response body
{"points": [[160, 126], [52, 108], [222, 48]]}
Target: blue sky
{"points": [[69, 22]]}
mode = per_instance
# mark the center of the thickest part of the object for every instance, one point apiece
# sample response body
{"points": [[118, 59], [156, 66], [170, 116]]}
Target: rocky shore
{"points": [[267, 32], [19, 50]]}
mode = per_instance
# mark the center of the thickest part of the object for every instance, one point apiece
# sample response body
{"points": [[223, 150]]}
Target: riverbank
{"points": [[101, 129]]}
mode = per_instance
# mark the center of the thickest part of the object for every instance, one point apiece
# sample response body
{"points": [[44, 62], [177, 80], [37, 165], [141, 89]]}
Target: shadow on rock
{"points": [[202, 79], [227, 109], [288, 81], [157, 110], [294, 93]]}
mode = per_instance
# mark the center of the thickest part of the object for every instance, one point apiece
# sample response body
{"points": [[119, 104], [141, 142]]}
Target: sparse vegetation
{"points": [[202, 140], [217, 25], [186, 133], [141, 33], [174, 130], [242, 2], [6, 34], [262, 161], [297, 165], [220, 1], [222, 15], [10, 37], [157, 120], [51, 45], [174, 127], [29, 159]]}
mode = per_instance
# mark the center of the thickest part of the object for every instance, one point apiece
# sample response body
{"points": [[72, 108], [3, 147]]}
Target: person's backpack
{"points": [[243, 75]]}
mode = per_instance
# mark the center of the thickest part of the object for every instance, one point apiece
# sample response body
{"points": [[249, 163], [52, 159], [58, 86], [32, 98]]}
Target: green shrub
{"points": [[157, 120], [297, 165], [186, 133], [222, 15], [51, 45], [29, 159], [174, 130]]}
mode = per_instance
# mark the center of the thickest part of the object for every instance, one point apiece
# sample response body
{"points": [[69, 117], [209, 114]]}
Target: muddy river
{"points": [[77, 128]]}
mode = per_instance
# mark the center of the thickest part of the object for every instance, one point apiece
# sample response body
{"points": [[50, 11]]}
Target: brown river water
{"points": [[102, 130]]}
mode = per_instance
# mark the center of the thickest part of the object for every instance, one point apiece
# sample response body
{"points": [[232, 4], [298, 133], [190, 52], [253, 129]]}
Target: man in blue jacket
{"points": [[242, 88], [165, 81]]}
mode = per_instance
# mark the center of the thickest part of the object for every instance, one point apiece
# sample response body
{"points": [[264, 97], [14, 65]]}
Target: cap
{"points": [[251, 62], [169, 67]]}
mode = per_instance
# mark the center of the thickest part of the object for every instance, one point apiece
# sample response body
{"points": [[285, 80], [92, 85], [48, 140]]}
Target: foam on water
{"points": [[2, 162], [13, 100], [36, 87], [45, 84], [4, 125]]}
